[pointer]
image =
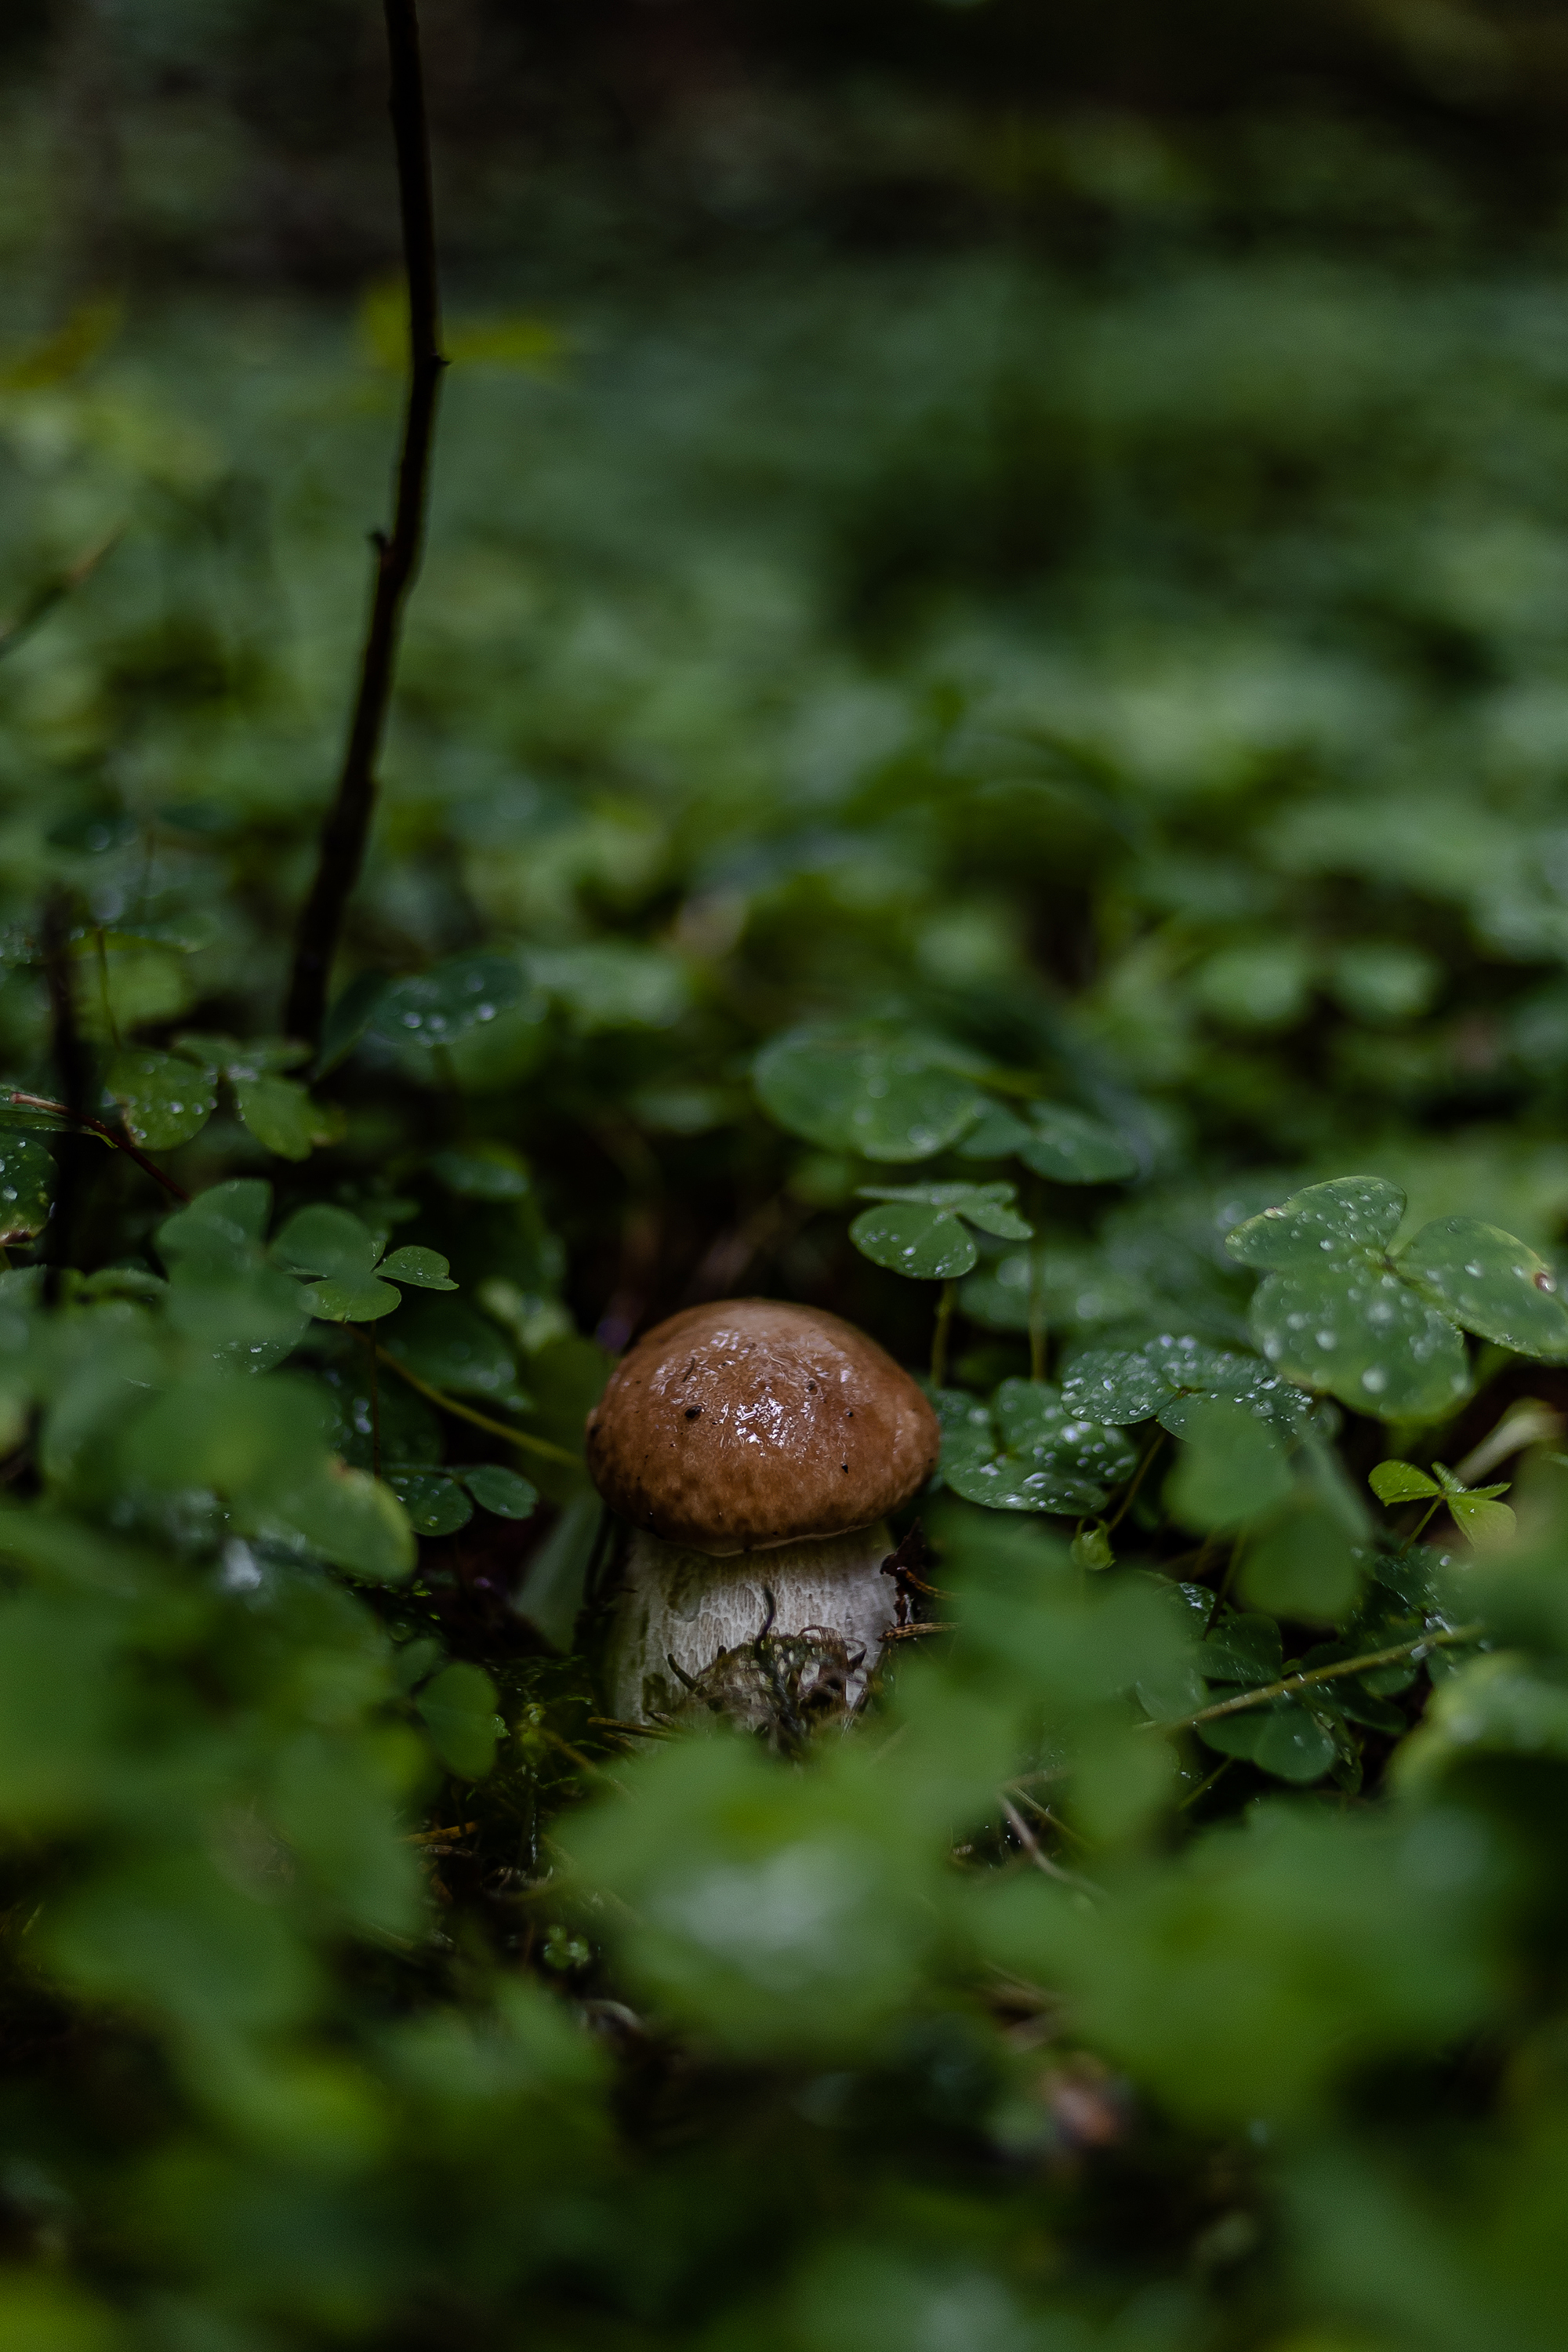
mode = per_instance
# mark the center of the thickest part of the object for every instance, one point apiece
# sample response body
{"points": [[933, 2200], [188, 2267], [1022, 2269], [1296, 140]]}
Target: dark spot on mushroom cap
{"points": [[757, 1469]]}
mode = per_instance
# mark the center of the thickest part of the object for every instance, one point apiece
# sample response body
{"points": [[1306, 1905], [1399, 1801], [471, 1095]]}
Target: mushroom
{"points": [[755, 1449]]}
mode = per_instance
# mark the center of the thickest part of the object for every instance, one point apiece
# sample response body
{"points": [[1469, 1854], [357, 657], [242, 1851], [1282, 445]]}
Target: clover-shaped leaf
{"points": [[1337, 1312], [1474, 1510], [1349, 1217], [436, 1007], [1027, 1451], [223, 1295], [439, 1502], [1055, 1140], [353, 1288], [921, 1229], [1156, 1382], [164, 1098], [277, 1109], [436, 1504], [1490, 1283], [884, 1095], [502, 1491]]}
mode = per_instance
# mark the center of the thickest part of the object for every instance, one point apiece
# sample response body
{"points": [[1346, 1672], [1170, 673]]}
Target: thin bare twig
{"points": [[1038, 1856], [104, 1132], [347, 828]]}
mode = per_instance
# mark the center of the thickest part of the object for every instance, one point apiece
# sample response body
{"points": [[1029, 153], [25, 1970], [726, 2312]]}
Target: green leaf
{"points": [[1234, 1735], [1121, 1385], [1071, 1148], [165, 1098], [929, 1245], [849, 1090], [237, 1059], [1353, 1216], [350, 1301], [1357, 1332], [985, 1206], [352, 1519], [459, 1711], [997, 1134], [1293, 1744], [436, 1504], [348, 1019], [423, 1269], [326, 1240], [492, 1173], [238, 1437], [1156, 1382], [447, 1342], [223, 1226], [281, 1114], [921, 1233], [1242, 1649], [1028, 1452], [1401, 1482], [248, 1316], [1232, 1468], [1302, 1569], [26, 1189], [1490, 1283], [1488, 1524], [435, 1007], [495, 1488]]}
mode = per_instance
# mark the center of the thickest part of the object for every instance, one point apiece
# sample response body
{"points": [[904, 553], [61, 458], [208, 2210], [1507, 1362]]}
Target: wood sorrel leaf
{"points": [[1489, 1282], [1351, 1216], [884, 1096], [165, 1098]]}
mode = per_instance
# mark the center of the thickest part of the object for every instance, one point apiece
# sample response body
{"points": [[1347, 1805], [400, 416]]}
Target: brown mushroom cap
{"points": [[736, 1427]]}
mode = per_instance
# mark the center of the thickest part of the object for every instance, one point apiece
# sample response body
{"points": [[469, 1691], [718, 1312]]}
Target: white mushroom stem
{"points": [[688, 1606]]}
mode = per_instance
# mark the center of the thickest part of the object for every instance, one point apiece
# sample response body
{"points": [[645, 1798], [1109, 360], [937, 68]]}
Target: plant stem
{"points": [[103, 1132], [70, 1067], [1037, 1294], [1128, 1499], [368, 1342], [540, 1446], [49, 592], [1289, 1682], [944, 1308], [347, 828]]}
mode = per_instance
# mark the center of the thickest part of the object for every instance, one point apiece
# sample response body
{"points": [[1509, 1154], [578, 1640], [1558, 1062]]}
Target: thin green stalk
{"points": [[1131, 1496], [945, 1305], [1036, 1292], [367, 1340], [1290, 1683], [1206, 1784], [540, 1446]]}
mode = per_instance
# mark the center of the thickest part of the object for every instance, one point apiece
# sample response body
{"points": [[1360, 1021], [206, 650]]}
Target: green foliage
{"points": [[1094, 723], [922, 1232], [1337, 1312]]}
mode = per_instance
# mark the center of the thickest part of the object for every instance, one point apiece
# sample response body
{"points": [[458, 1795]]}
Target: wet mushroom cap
{"points": [[750, 1423]]}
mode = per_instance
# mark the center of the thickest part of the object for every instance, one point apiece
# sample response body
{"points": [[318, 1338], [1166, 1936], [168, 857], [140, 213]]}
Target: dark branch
{"points": [[347, 828], [106, 1134]]}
